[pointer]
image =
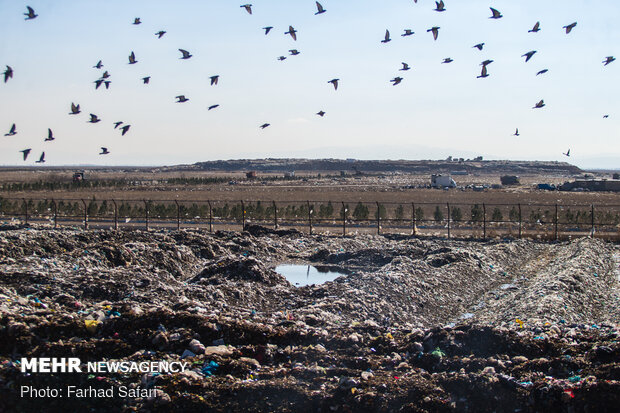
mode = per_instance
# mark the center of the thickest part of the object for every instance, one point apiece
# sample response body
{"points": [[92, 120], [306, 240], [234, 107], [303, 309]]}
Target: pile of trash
{"points": [[420, 325]]}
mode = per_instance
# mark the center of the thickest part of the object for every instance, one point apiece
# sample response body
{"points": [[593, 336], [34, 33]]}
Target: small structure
{"points": [[250, 175], [442, 181], [509, 180], [290, 174], [597, 185]]}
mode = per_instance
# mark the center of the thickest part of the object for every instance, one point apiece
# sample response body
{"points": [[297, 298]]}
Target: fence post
{"points": [[210, 216], [484, 221], [55, 214], [448, 204], [85, 214], [556, 222], [242, 216], [378, 219], [592, 212], [115, 215], [520, 221], [413, 223], [344, 220], [275, 215], [178, 214], [146, 213], [309, 217]]}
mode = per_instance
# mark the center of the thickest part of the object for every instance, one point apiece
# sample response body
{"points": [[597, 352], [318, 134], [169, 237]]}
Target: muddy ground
{"points": [[422, 325]]}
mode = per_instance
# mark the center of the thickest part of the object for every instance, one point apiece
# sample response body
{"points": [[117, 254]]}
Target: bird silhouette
{"points": [[186, 54], [435, 31], [335, 83], [105, 75], [405, 66], [117, 124], [567, 152], [267, 29], [41, 158], [294, 52], [387, 37], [292, 32], [440, 6], [542, 72], [281, 58], [11, 132], [516, 132], [213, 107], [483, 73], [214, 79], [570, 27], [264, 125], [408, 32], [98, 83], [137, 21], [321, 113], [30, 15], [50, 135], [539, 104], [486, 62], [132, 58], [75, 109], [447, 60], [99, 65], [160, 34], [319, 8], [181, 99], [496, 14], [104, 151], [8, 73], [107, 84], [124, 129], [529, 55], [146, 80], [25, 153], [535, 29], [94, 119], [607, 61], [478, 46], [396, 80], [605, 116], [247, 7]]}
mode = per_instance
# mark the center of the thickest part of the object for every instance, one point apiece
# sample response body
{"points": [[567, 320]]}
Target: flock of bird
{"points": [[292, 32]]}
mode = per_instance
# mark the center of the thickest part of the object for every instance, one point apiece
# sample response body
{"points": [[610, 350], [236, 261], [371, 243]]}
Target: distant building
{"points": [[442, 181], [290, 174], [250, 174]]}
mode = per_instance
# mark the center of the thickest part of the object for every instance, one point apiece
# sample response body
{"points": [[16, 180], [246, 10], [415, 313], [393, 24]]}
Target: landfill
{"points": [[413, 325]]}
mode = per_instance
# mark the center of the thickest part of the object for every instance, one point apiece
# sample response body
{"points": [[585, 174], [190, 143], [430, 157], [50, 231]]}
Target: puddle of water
{"points": [[300, 275]]}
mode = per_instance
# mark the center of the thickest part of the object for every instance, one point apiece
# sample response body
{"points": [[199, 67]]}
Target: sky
{"points": [[438, 109]]}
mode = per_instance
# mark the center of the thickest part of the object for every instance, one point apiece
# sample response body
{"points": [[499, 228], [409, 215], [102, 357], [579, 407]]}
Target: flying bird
{"points": [[605, 116], [117, 124], [248, 8], [281, 58], [496, 14], [478, 46], [181, 99], [8, 73], [447, 60], [160, 34], [483, 73], [11, 132], [516, 132], [105, 75], [542, 72], [30, 15], [387, 37], [539, 104], [107, 84], [567, 152], [570, 27], [319, 8], [50, 135], [292, 32], [264, 125], [294, 52], [405, 66], [75, 109], [396, 80], [124, 129], [408, 32], [146, 80], [136, 20], [335, 83], [435, 31], [607, 61], [267, 29], [529, 55], [214, 79], [99, 65], [186, 54], [104, 151], [94, 119], [212, 107], [41, 158], [535, 29], [440, 6], [486, 62], [321, 113], [25, 153], [98, 83], [132, 58]]}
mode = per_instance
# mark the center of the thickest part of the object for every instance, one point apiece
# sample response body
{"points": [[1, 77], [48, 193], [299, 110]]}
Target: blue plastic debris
{"points": [[210, 368]]}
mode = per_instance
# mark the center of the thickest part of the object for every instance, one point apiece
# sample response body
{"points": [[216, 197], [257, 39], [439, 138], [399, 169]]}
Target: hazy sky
{"points": [[437, 110]]}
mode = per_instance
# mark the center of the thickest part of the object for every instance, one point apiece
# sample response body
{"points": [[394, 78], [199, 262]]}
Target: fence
{"points": [[549, 221]]}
